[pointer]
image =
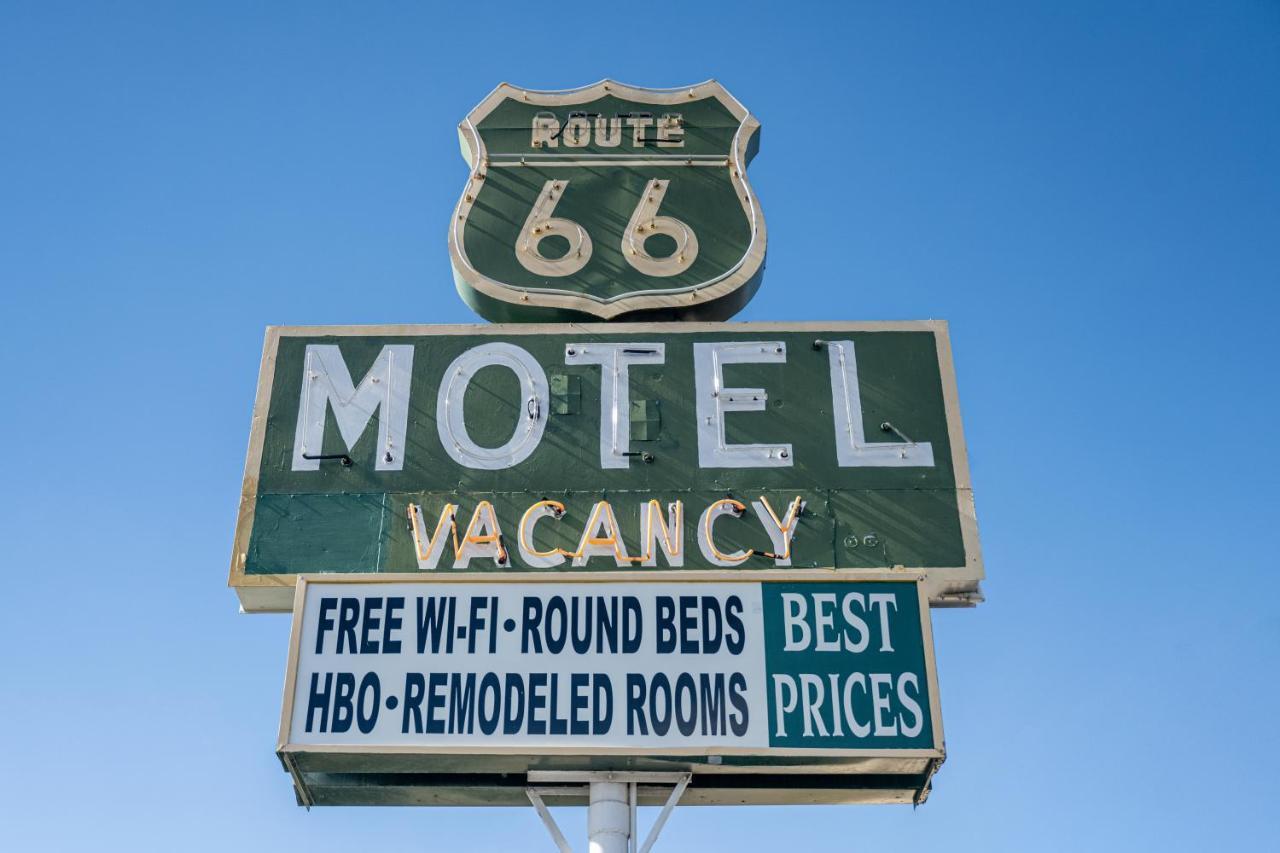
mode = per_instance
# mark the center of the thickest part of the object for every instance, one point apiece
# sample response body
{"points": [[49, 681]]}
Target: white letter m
{"points": [[326, 382]]}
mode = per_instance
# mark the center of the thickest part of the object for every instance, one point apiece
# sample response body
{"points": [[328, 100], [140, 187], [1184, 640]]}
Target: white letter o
{"points": [[453, 388]]}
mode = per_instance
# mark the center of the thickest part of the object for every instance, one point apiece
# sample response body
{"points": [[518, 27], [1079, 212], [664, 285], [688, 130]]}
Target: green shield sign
{"points": [[608, 202]]}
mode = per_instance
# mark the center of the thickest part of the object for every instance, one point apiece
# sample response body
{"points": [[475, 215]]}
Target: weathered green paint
{"points": [[354, 519], [646, 420], [713, 139]]}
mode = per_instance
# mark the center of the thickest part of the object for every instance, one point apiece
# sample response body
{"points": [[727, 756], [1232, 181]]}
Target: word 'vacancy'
{"points": [[327, 385], [660, 533]]}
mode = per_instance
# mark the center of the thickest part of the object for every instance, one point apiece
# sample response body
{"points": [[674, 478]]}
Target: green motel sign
{"points": [[608, 202], [619, 450]]}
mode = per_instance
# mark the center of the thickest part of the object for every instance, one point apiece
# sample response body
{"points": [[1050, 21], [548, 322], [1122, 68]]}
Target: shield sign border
{"points": [[717, 298]]}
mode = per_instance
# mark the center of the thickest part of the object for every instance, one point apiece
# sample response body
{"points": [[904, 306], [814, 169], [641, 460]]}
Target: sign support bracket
{"points": [[548, 821], [612, 802], [676, 793]]}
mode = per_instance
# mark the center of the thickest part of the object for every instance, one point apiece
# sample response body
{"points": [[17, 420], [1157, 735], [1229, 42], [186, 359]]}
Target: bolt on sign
{"points": [[630, 450], [808, 690], [608, 202]]}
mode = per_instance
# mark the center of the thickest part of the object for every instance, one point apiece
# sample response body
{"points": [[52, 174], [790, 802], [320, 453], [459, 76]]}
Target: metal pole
{"points": [[608, 817], [633, 790]]}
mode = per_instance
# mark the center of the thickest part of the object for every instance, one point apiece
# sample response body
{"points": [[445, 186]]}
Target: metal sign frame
{"points": [[498, 775]]}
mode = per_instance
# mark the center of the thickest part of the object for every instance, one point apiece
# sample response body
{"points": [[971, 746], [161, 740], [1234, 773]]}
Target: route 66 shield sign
{"points": [[608, 202]]}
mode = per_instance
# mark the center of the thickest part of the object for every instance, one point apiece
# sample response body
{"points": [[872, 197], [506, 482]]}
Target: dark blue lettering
{"points": [[370, 624], [325, 623], [632, 625], [734, 637], [477, 622], [514, 703], [579, 682], [415, 688], [344, 690], [666, 624], [490, 697], [393, 622], [529, 638], [660, 686], [556, 634], [606, 625], [712, 625], [318, 700], [559, 725], [688, 624], [537, 700], [462, 703], [712, 704], [436, 683], [348, 618], [581, 612], [431, 621], [635, 705], [684, 684], [368, 684], [737, 691], [602, 707]]}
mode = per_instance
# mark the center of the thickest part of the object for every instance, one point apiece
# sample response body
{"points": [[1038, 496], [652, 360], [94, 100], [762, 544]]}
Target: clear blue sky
{"points": [[1088, 192]]}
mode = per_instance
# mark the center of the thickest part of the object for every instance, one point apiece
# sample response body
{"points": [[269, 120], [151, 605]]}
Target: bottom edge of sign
{"points": [[481, 789]]}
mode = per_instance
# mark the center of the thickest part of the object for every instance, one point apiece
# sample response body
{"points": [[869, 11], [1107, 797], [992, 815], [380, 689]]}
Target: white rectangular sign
{"points": [[823, 666]]}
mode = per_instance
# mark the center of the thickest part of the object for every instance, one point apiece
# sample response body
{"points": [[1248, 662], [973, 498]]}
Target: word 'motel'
{"points": [[327, 385]]}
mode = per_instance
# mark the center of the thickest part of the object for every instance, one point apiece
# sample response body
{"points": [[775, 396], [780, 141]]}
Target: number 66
{"points": [[644, 224]]}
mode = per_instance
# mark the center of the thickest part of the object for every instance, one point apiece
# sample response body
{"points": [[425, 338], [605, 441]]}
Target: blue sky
{"points": [[1088, 192]]}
